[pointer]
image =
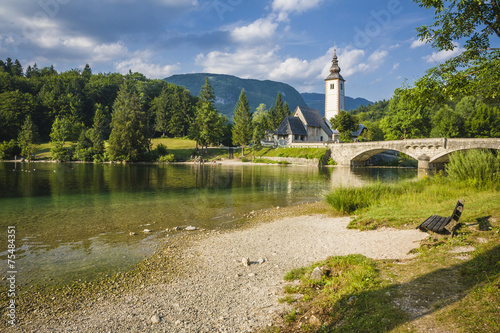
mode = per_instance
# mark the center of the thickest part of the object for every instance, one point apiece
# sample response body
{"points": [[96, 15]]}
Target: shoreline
{"points": [[209, 290]]}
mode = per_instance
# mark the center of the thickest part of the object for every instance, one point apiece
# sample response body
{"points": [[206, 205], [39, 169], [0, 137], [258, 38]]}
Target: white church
{"points": [[308, 125]]}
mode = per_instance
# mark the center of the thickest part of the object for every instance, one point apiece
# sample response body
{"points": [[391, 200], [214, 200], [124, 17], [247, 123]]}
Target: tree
{"points": [[14, 107], [208, 126], [128, 140], [28, 138], [61, 131], [484, 122], [476, 70], [98, 131], [345, 123], [447, 123], [242, 129], [407, 118], [259, 123]]}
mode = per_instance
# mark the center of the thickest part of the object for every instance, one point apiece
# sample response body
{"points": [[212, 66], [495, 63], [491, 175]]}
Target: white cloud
{"points": [[395, 66], [150, 70], [285, 7], [441, 56], [417, 43], [258, 31], [108, 52], [303, 74]]}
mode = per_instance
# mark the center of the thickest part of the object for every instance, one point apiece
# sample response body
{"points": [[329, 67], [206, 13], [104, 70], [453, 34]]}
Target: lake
{"points": [[73, 220]]}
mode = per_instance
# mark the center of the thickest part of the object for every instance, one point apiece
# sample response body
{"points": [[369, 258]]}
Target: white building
{"points": [[334, 90]]}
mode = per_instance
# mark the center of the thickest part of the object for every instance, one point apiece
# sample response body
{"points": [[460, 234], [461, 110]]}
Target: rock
{"points": [[261, 261], [245, 262], [155, 319], [314, 321], [252, 274], [317, 274], [132, 233], [146, 230], [191, 228]]}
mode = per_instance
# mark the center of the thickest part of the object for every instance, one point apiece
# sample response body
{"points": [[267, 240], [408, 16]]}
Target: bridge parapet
{"points": [[425, 151]]}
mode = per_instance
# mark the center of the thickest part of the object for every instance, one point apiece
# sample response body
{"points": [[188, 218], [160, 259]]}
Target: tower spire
{"points": [[335, 69]]}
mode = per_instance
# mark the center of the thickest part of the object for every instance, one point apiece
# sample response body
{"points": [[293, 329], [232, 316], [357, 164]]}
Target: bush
{"points": [[8, 150], [477, 168], [167, 158], [161, 149]]}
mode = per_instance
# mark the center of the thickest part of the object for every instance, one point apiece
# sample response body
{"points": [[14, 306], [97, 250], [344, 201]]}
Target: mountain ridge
{"points": [[227, 90]]}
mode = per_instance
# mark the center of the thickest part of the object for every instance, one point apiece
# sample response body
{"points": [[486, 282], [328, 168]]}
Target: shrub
{"points": [[167, 158], [161, 149], [477, 168], [9, 149]]}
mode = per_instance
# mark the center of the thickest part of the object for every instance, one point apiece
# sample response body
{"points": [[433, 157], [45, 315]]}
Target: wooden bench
{"points": [[443, 225]]}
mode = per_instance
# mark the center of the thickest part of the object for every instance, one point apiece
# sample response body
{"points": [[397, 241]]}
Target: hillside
{"points": [[317, 101], [228, 88]]}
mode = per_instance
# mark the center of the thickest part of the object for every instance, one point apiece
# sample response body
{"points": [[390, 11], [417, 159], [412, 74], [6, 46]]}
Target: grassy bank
{"points": [[451, 284]]}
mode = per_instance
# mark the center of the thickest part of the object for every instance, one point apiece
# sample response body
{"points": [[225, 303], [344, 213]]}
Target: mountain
{"points": [[227, 90], [317, 101]]}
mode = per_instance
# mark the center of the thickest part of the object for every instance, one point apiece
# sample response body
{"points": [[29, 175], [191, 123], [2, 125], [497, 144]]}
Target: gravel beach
{"points": [[217, 293]]}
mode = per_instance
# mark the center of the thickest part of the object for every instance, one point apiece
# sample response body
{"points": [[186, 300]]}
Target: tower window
{"points": [[341, 86], [332, 85]]}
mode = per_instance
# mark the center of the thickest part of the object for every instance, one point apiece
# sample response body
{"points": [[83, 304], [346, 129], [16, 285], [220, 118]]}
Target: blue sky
{"points": [[291, 41]]}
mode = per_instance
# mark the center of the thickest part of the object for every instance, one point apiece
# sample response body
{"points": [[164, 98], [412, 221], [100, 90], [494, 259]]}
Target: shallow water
{"points": [[73, 221]]}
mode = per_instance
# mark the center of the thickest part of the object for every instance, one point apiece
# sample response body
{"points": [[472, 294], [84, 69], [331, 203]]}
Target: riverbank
{"points": [[205, 288]]}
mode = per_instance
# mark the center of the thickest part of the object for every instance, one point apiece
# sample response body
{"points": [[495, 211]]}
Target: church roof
{"points": [[291, 125], [335, 69], [313, 118]]}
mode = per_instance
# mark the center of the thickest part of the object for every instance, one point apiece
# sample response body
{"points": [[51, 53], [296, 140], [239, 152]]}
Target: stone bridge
{"points": [[430, 153]]}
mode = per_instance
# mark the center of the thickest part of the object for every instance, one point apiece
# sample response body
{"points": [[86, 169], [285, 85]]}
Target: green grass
{"points": [[175, 143], [308, 153], [352, 298]]}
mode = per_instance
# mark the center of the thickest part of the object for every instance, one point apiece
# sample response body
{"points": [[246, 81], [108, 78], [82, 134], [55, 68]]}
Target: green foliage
{"points": [[477, 168], [15, 106], [28, 138], [484, 122], [345, 123], [161, 149], [128, 140], [9, 149], [242, 129], [458, 19], [277, 113], [259, 124], [407, 118], [166, 158], [331, 161], [209, 125]]}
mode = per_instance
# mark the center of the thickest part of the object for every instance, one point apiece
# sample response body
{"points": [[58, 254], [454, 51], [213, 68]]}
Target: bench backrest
{"points": [[457, 212]]}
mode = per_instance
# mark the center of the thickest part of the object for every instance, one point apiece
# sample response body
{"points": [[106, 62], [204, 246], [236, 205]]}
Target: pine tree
{"points": [[242, 130], [98, 130], [208, 126], [128, 140]]}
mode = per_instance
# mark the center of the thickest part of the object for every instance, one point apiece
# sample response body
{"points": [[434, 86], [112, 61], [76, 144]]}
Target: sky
{"points": [[290, 41]]}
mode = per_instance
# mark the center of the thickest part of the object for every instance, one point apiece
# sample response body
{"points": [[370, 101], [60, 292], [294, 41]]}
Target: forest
{"points": [[109, 117]]}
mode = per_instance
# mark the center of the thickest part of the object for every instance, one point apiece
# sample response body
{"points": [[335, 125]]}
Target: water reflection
{"points": [[75, 219]]}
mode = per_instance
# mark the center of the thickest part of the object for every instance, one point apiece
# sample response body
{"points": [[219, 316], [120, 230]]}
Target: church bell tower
{"points": [[335, 90]]}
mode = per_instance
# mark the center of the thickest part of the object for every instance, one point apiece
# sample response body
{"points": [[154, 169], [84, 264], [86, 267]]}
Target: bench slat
{"points": [[437, 221], [440, 227]]}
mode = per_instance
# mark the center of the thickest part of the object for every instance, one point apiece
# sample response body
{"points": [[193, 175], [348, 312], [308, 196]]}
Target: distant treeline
{"points": [[75, 95]]}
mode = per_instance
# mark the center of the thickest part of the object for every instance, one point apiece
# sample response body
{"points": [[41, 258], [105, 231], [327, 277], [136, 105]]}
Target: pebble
{"points": [[155, 319]]}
